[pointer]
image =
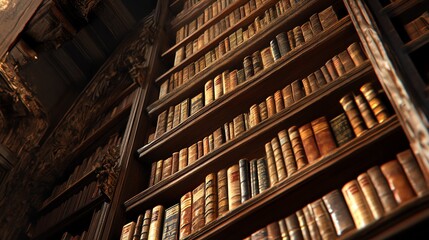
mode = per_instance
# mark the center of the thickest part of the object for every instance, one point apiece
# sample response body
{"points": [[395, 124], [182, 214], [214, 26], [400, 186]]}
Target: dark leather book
{"points": [[171, 223], [244, 169], [339, 212]]}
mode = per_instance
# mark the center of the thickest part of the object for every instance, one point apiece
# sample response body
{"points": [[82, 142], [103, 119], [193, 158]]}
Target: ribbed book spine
{"points": [[322, 133], [378, 108], [198, 202], [244, 179], [171, 223], [383, 190], [287, 152], [297, 147], [146, 225], [341, 128], [323, 220], [370, 195], [254, 181], [356, 202], [353, 115], [278, 158], [211, 199], [156, 223], [398, 182], [413, 172], [311, 222], [272, 169], [293, 227], [222, 192], [365, 111], [234, 190], [185, 215], [138, 227], [127, 232], [309, 143], [303, 225], [339, 212]]}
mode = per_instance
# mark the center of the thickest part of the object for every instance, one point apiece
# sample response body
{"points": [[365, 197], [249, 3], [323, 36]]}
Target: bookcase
{"points": [[253, 118]]}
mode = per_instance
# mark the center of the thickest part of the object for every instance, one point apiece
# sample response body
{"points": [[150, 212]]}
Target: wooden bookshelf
{"points": [[189, 14]]}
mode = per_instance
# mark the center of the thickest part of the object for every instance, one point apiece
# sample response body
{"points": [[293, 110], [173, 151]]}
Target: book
{"points": [[163, 89], [398, 182], [263, 110], [218, 87], [225, 82], [175, 162], [263, 178], [196, 103], [138, 227], [244, 170], [323, 136], [271, 106], [320, 78], [356, 202], [331, 69], [254, 181], [185, 215], [293, 227], [288, 156], [365, 111], [341, 128], [146, 224], [303, 224], [356, 53], [211, 200], [267, 57], [299, 37], [217, 138], [328, 17], [273, 231], [127, 231], [278, 158], [176, 117], [311, 222], [316, 25], [161, 124], [338, 211], [271, 164], [222, 192], [198, 202], [257, 62], [158, 172], [170, 118], [166, 168], [309, 142], [200, 150], [261, 234], [370, 195], [152, 174], [353, 115], [326, 74], [306, 85], [156, 223], [248, 67], [297, 90], [283, 229], [234, 190], [307, 32], [239, 125], [378, 108], [171, 223], [183, 158], [323, 221], [413, 172], [278, 99], [312, 81], [283, 43], [346, 61], [383, 190], [192, 154], [254, 116], [298, 149], [291, 39], [339, 67], [287, 96], [275, 50]]}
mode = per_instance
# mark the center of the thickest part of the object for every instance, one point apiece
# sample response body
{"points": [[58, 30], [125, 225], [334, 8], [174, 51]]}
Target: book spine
{"points": [[218, 87], [158, 173], [413, 172], [353, 115], [272, 168], [273, 231], [257, 62], [307, 32], [196, 103], [171, 223], [323, 220], [239, 126], [398, 182], [192, 154], [283, 43], [185, 215], [254, 181], [370, 195], [263, 178], [328, 17], [287, 96], [267, 57], [303, 224], [309, 142], [254, 116], [127, 232], [275, 51], [287, 152], [244, 170], [358, 207], [331, 69], [284, 233], [322, 133], [326, 74], [346, 61], [297, 90], [263, 110], [161, 124], [234, 190], [166, 168], [378, 108], [183, 158], [316, 25], [311, 222], [156, 223], [222, 192], [152, 174], [210, 198], [356, 53], [146, 225], [383, 190], [339, 212], [365, 111], [138, 227], [341, 129], [298, 149], [198, 201], [293, 227], [170, 118]]}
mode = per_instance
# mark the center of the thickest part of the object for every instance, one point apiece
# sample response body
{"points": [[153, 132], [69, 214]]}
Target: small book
{"points": [[192, 154], [273, 231], [339, 67], [183, 158], [283, 43], [328, 17], [346, 61], [383, 190], [356, 53], [263, 178], [299, 37], [341, 128], [378, 108], [353, 115], [198, 202], [309, 142], [370, 195], [234, 190], [271, 164], [398, 182], [127, 231], [185, 215], [211, 201], [208, 92], [303, 224], [271, 106], [413, 172], [307, 32], [267, 57], [146, 225], [278, 158], [356, 202], [156, 223], [287, 96], [254, 181], [365, 110], [339, 212], [287, 152], [331, 69], [293, 227], [244, 169], [326, 74], [222, 192], [171, 223], [323, 136], [298, 149]]}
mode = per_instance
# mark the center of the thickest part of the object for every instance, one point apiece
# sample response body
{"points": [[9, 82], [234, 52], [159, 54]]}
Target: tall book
{"points": [[222, 192], [244, 169], [383, 190], [198, 202], [127, 231], [298, 149], [287, 96], [283, 229], [339, 212], [171, 223], [398, 182], [379, 109], [196, 103], [413, 172], [271, 164], [138, 227], [322, 133], [323, 220], [370, 195], [313, 229], [234, 190], [166, 168], [365, 111], [192, 153], [346, 60], [328, 17], [208, 92], [263, 178], [146, 225], [161, 124], [210, 207], [303, 224], [183, 158], [278, 158], [185, 215], [356, 202], [287, 152], [156, 223], [273, 231]]}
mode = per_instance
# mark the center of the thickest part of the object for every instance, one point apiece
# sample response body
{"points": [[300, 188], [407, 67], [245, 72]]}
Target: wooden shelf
{"points": [[294, 65], [190, 14], [415, 44], [225, 154], [214, 42], [324, 174], [262, 37], [398, 220], [399, 7], [82, 181]]}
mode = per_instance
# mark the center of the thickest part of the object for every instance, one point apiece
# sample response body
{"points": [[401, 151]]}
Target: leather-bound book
{"points": [[297, 90], [185, 215], [198, 202], [171, 223], [298, 149], [271, 163], [309, 142], [248, 67], [284, 233], [222, 192], [273, 231], [208, 92], [341, 128], [287, 152], [413, 172], [183, 158], [365, 111], [299, 37], [158, 173], [328, 17], [314, 86], [287, 96], [161, 125], [234, 190], [239, 125], [196, 103], [398, 182], [370, 195], [383, 190], [244, 169], [211, 200], [313, 229], [166, 168], [138, 227], [331, 69], [356, 202], [307, 32], [267, 57], [326, 74], [306, 84], [323, 221], [346, 60], [146, 225], [184, 110], [176, 117], [303, 224], [278, 158], [283, 43], [339, 67], [217, 138], [353, 114], [320, 78], [218, 87], [293, 227], [263, 178], [170, 118], [322, 133], [152, 174], [316, 25], [275, 51], [127, 232], [192, 154], [254, 181], [291, 39], [339, 212], [378, 108], [356, 53], [200, 151], [156, 223], [175, 162], [254, 116], [278, 99], [263, 110]]}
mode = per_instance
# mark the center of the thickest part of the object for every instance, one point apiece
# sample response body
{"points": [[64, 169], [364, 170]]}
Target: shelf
{"points": [[262, 37], [404, 217], [73, 218], [399, 7], [294, 65], [214, 42], [222, 156], [190, 14], [415, 44], [324, 174], [68, 191]]}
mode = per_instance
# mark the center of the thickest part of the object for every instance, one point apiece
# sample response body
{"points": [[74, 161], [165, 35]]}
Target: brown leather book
{"points": [[370, 195], [196, 103], [218, 87], [200, 151], [175, 162], [267, 57], [346, 61], [170, 118], [158, 173], [156, 223], [278, 99], [211, 200], [339, 212], [244, 169], [208, 92], [338, 65], [278, 157], [234, 192], [183, 158], [166, 168], [263, 178], [413, 172], [254, 181], [353, 115], [261, 234], [198, 202], [398, 182], [248, 67], [126, 234], [326, 74], [303, 224], [287, 96], [323, 220], [192, 154], [378, 108], [307, 32], [283, 229], [331, 69], [176, 117], [299, 38], [356, 202], [328, 17], [273, 231], [313, 229], [217, 138], [297, 90], [383, 190], [146, 225], [365, 111], [257, 62], [322, 133], [185, 215], [171, 223], [161, 125], [226, 84], [233, 79], [263, 110], [239, 125], [341, 128], [254, 116], [298, 149], [316, 25], [184, 110], [356, 53], [271, 164], [275, 51], [271, 106], [222, 192], [306, 84], [138, 227], [287, 152], [313, 82], [293, 227], [309, 142], [152, 174], [291, 39], [283, 43]]}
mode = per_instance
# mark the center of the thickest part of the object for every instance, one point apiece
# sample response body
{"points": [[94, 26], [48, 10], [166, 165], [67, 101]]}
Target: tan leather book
{"points": [[176, 117], [339, 67], [293, 227], [156, 223], [183, 158], [356, 53], [378, 108], [331, 69], [283, 43], [267, 57], [254, 116], [278, 99], [226, 84], [222, 192], [298, 149], [175, 162], [365, 110], [353, 114], [218, 87], [192, 154], [257, 62], [313, 229], [239, 125], [158, 173], [271, 164], [284, 233], [185, 215], [234, 192], [217, 138], [326, 74], [161, 125], [303, 225], [127, 231], [263, 110], [271, 106], [398, 182], [287, 152], [323, 220], [306, 85], [166, 168], [313, 82], [291, 39], [346, 61], [323, 136], [198, 203], [146, 225], [309, 142], [196, 104], [170, 118], [307, 32], [211, 200], [370, 195], [273, 231], [413, 172], [356, 202], [287, 96], [383, 190], [328, 17], [299, 37], [278, 157], [316, 25], [297, 90]]}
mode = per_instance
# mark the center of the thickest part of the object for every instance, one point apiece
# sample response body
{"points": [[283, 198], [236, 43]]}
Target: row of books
{"points": [[373, 195], [210, 11], [70, 206], [418, 26], [236, 38], [280, 46], [228, 81], [83, 169]]}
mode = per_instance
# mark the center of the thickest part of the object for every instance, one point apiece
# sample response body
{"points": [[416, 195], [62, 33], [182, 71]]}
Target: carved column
{"points": [[412, 118]]}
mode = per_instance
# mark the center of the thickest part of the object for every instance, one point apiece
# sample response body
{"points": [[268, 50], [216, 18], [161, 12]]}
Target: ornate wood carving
{"points": [[80, 8], [413, 120], [107, 170]]}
